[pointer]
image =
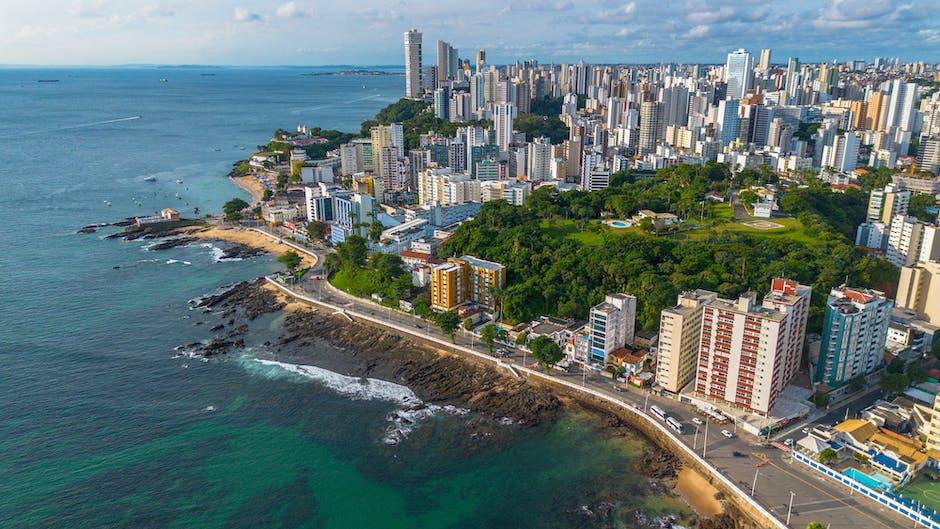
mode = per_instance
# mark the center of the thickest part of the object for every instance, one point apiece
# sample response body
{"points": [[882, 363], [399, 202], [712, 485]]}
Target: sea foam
{"points": [[403, 420]]}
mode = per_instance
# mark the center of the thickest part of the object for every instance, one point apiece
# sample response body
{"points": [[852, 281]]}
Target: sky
{"points": [[369, 32]]}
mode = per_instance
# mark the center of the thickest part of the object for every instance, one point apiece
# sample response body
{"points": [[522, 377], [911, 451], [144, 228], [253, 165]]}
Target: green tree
{"points": [[896, 365], [894, 382], [290, 259], [316, 230], [267, 195], [489, 334], [375, 230], [917, 374], [467, 324], [857, 383], [827, 456], [522, 338], [448, 322], [233, 209], [546, 351], [815, 525]]}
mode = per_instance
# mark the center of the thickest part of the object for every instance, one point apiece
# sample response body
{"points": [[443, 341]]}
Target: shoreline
{"points": [[246, 237], [250, 185], [657, 462]]}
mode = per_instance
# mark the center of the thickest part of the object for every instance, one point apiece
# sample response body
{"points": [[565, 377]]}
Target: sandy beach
{"points": [[251, 185], [698, 492], [249, 238]]}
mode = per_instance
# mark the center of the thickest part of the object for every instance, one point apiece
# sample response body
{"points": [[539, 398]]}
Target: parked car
{"points": [[789, 443], [727, 434], [618, 388], [738, 454], [805, 430], [698, 421]]}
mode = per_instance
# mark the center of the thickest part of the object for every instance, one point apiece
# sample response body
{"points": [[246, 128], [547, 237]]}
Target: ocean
{"points": [[104, 425]]}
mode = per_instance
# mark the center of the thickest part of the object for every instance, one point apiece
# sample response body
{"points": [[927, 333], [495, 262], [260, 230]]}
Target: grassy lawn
{"points": [[355, 281], [568, 229], [791, 228], [924, 491]]}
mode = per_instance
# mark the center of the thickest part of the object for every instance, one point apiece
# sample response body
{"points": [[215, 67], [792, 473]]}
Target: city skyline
{"points": [[267, 33]]}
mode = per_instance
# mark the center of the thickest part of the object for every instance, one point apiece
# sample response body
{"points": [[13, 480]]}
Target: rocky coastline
{"points": [[434, 375]]}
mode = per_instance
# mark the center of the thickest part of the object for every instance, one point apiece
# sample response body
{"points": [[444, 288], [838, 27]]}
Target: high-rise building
{"points": [[842, 155], [854, 334], [901, 105], [928, 155], [680, 331], [909, 239], [876, 106], [728, 120], [466, 279], [611, 326], [738, 73], [793, 79], [885, 204], [919, 290], [933, 434], [442, 103], [748, 352], [652, 128], [447, 62], [413, 73], [480, 60], [503, 114], [539, 159], [764, 63]]}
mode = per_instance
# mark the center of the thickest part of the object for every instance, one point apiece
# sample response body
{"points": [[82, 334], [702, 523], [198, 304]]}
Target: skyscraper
{"points": [[793, 79], [503, 115], [446, 62], [764, 62], [413, 74], [480, 60], [738, 73], [901, 105], [651, 126], [854, 335]]}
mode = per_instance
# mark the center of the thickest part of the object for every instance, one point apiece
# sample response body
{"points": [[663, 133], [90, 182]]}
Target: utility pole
{"points": [[754, 484], [695, 439], [790, 507], [705, 439], [647, 401]]}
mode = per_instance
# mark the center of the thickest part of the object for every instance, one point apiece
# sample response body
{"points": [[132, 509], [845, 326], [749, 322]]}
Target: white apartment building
{"points": [[612, 326]]}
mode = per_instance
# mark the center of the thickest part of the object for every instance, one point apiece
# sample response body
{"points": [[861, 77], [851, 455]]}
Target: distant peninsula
{"points": [[353, 73]]}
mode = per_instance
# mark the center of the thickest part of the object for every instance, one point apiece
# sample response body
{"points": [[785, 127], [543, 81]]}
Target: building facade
{"points": [[680, 331], [612, 325], [854, 335]]}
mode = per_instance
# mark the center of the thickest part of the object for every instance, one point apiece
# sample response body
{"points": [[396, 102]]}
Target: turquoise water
{"points": [[873, 481], [100, 426]]}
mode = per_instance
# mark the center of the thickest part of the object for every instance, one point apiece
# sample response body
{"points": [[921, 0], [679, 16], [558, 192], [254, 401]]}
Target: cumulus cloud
{"points": [[88, 8], [860, 14], [290, 10], [544, 5], [243, 15]]}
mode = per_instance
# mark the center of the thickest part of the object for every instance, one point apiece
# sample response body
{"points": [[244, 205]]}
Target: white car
{"points": [[727, 434], [805, 430], [697, 421]]}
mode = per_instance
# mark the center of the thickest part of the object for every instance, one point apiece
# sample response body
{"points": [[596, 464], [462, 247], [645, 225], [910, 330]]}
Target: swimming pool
{"points": [[619, 224], [873, 481]]}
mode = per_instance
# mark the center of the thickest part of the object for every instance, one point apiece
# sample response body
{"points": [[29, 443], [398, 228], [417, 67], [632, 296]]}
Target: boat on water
{"points": [[163, 80], [150, 179], [47, 81], [178, 181]]}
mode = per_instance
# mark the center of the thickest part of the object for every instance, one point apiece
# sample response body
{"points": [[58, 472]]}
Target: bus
{"points": [[674, 424], [658, 412]]}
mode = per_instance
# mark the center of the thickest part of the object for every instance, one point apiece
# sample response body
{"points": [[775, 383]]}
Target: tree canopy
{"points": [[546, 351], [290, 259], [233, 209]]}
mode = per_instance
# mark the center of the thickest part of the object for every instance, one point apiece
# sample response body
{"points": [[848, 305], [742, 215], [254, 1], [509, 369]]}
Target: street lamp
{"points": [[790, 507], [754, 484], [705, 439], [695, 439]]}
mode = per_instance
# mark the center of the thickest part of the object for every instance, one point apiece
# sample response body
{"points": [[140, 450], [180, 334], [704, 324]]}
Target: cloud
{"points": [[290, 10], [628, 8], [544, 6], [243, 15], [860, 14], [88, 9]]}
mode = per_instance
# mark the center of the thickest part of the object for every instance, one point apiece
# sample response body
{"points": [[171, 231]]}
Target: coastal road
{"points": [[815, 497]]}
